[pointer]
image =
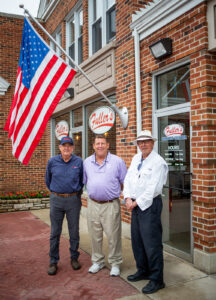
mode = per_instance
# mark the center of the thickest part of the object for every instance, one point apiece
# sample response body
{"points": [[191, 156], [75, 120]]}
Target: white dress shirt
{"points": [[145, 184]]}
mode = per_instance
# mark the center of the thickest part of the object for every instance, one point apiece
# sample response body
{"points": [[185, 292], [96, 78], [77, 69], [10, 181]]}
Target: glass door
{"points": [[174, 147], [172, 126]]}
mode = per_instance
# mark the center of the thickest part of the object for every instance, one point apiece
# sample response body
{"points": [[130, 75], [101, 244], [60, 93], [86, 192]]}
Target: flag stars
{"points": [[33, 51]]}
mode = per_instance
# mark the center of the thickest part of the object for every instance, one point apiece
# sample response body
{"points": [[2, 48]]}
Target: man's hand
{"points": [[130, 204]]}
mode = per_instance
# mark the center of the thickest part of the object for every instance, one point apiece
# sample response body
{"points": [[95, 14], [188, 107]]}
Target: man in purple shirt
{"points": [[104, 175]]}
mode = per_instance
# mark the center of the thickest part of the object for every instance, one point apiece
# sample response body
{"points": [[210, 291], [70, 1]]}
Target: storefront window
{"points": [[77, 122], [173, 87], [77, 117], [65, 117], [111, 134], [77, 139]]}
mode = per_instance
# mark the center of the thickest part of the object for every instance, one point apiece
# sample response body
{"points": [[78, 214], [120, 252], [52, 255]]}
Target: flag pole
{"points": [[122, 113]]}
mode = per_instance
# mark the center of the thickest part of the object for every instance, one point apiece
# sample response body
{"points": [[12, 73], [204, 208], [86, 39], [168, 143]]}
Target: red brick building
{"points": [[158, 59]]}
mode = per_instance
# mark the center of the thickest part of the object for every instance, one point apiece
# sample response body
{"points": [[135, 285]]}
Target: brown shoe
{"points": [[75, 264], [52, 269]]}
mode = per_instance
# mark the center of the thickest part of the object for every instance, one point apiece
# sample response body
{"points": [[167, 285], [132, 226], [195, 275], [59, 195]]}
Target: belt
{"points": [[102, 202], [65, 195]]}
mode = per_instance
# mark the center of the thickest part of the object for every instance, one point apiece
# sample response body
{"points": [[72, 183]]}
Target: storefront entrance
{"points": [[173, 131]]}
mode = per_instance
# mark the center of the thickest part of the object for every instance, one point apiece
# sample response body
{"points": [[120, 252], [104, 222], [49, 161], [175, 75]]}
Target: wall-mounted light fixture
{"points": [[77, 137], [161, 48], [69, 93]]}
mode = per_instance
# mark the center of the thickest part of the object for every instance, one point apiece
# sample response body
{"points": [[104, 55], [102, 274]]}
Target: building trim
{"points": [[4, 85], [160, 14], [45, 12]]}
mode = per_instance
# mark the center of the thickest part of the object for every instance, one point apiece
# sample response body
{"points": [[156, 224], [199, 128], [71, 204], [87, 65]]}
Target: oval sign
{"points": [[61, 130], [102, 119], [173, 130]]}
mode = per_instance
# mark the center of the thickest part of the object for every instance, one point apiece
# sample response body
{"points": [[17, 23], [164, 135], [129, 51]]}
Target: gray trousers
{"points": [[59, 207]]}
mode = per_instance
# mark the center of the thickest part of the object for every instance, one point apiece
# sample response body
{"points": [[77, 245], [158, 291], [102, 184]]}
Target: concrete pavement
{"points": [[29, 230]]}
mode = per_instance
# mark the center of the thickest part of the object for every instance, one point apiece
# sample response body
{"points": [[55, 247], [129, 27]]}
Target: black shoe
{"points": [[75, 264], [152, 287], [52, 269], [139, 275]]}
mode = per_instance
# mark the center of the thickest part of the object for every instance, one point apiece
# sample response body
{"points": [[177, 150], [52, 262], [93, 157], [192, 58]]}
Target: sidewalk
{"points": [[24, 247]]}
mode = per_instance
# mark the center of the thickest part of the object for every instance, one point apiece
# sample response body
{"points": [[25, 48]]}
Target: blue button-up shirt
{"points": [[64, 177], [103, 182]]}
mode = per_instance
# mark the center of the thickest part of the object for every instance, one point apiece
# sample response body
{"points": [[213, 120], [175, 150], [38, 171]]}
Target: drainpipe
{"points": [[138, 85]]}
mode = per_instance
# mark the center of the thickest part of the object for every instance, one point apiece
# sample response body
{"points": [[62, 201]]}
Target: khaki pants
{"points": [[105, 217]]}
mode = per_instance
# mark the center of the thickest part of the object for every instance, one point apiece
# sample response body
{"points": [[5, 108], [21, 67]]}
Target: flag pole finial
{"points": [[25, 10]]}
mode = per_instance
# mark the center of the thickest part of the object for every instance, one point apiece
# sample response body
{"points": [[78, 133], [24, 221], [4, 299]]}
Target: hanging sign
{"points": [[102, 119], [61, 130]]}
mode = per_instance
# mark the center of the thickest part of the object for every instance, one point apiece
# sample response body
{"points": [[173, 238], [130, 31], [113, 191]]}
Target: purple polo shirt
{"points": [[103, 182]]}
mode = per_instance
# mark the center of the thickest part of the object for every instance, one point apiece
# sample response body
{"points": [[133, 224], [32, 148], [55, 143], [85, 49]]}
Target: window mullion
{"points": [[76, 35], [103, 24]]}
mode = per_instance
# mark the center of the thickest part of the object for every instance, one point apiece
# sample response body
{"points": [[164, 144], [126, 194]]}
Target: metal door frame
{"points": [[172, 110]]}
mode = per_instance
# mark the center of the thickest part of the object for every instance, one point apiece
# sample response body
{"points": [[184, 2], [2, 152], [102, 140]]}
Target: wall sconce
{"points": [[69, 93], [161, 48]]}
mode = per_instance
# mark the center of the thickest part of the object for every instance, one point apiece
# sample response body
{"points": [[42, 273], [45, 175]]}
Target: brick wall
{"points": [[16, 177], [125, 78], [203, 121], [125, 83]]}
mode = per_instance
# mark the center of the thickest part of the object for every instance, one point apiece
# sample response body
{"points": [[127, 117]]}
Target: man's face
{"points": [[146, 147], [66, 149], [101, 147]]}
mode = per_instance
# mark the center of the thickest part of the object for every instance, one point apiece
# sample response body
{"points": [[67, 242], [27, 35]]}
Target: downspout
{"points": [[138, 82]]}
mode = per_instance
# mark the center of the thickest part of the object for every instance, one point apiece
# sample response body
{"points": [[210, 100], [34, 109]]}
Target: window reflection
{"points": [[173, 87], [77, 139], [77, 117]]}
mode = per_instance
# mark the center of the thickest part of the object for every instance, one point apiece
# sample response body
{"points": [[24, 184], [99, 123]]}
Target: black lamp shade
{"points": [[69, 93]]}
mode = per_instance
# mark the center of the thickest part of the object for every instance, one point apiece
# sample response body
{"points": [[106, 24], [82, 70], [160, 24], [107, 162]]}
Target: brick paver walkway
{"points": [[24, 247]]}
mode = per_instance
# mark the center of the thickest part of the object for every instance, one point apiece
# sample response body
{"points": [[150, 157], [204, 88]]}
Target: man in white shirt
{"points": [[142, 193]]}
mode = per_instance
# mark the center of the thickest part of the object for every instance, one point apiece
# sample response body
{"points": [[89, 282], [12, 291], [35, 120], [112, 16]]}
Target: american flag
{"points": [[42, 78]]}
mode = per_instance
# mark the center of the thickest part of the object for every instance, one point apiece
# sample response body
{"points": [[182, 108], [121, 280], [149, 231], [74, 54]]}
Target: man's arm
{"points": [[48, 175]]}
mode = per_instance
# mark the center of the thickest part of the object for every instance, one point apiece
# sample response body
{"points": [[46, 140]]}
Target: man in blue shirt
{"points": [[64, 175]]}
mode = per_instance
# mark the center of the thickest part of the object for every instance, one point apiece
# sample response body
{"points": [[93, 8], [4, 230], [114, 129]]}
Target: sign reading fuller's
{"points": [[102, 119], [61, 130]]}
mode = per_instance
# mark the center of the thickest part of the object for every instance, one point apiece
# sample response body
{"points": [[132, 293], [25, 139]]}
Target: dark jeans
{"points": [[146, 235], [60, 206]]}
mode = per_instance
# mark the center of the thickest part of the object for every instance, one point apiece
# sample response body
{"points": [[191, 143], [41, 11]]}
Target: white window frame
{"points": [[73, 15], [57, 35], [103, 23], [156, 113]]}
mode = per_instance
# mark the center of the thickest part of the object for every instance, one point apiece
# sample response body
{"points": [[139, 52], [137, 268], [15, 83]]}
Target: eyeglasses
{"points": [[144, 142]]}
